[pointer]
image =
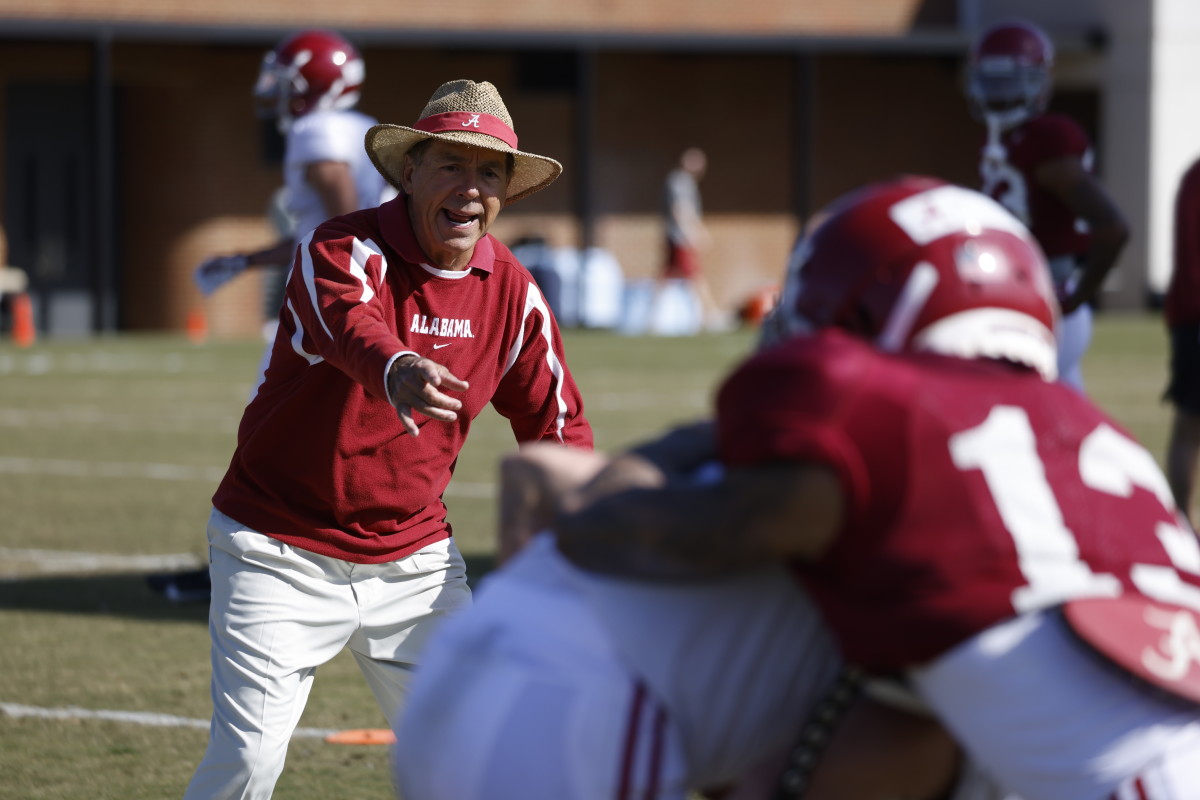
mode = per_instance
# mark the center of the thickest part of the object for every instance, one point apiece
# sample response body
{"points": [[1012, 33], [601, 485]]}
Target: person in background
{"points": [[686, 235], [400, 324], [1181, 312], [1039, 166], [309, 84]]}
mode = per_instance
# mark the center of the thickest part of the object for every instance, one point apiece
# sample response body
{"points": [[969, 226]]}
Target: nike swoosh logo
{"points": [[440, 346]]}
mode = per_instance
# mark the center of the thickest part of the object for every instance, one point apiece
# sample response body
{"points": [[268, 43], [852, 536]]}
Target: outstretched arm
{"points": [[688, 528], [542, 479], [533, 483], [1087, 198], [213, 273], [334, 184]]}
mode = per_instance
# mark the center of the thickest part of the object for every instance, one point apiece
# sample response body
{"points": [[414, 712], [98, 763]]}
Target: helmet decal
{"points": [[914, 295]]}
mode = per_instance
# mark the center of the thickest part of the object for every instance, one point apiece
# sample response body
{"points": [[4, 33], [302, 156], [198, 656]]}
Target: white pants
{"points": [[493, 716], [533, 692], [1052, 721], [277, 613], [1074, 334]]}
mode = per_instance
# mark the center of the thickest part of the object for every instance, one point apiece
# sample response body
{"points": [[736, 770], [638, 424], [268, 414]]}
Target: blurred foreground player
{"points": [[1039, 166], [958, 520]]}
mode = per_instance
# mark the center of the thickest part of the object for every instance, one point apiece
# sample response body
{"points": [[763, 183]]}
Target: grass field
{"points": [[109, 452]]}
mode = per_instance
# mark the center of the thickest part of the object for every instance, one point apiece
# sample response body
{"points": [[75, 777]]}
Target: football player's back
{"points": [[981, 491]]}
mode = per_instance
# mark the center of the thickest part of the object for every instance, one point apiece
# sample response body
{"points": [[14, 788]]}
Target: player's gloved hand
{"points": [[216, 272]]}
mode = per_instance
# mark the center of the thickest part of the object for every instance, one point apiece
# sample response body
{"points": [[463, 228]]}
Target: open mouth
{"points": [[459, 220]]}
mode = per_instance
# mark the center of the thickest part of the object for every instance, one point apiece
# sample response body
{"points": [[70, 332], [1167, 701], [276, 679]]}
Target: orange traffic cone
{"points": [[197, 326], [23, 331]]}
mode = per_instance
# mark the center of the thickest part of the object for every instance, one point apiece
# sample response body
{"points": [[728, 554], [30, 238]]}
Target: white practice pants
{"points": [[1052, 720], [277, 613]]}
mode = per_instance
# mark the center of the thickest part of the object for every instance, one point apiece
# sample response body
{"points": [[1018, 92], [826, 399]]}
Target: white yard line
{"points": [[195, 419], [100, 361], [134, 717], [62, 562]]}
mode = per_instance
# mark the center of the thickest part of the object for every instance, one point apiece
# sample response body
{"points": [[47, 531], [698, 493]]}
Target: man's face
{"points": [[454, 194]]}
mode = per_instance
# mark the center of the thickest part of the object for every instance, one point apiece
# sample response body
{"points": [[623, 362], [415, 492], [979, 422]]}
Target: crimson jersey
{"points": [[974, 491], [1182, 302], [322, 460], [1009, 179]]}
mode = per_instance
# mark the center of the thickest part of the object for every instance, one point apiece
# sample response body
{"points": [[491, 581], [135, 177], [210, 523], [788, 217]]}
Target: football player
{"points": [[309, 84], [1039, 166], [674, 659], [958, 519]]}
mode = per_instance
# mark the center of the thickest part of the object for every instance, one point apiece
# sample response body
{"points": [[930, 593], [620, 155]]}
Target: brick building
{"points": [[130, 150]]}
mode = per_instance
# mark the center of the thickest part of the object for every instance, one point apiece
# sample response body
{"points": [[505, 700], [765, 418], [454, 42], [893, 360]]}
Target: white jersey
{"points": [[328, 136]]}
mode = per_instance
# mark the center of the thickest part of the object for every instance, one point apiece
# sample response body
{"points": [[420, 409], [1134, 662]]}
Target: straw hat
{"points": [[469, 113]]}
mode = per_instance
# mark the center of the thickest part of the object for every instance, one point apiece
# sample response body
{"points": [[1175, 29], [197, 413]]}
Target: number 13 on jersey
{"points": [[1004, 449]]}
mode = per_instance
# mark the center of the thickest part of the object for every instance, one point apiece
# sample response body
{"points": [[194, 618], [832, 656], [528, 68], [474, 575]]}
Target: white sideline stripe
{"points": [[54, 562], [68, 468], [136, 718]]}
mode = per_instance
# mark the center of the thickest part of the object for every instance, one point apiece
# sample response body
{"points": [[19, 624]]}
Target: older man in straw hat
{"points": [[400, 324]]}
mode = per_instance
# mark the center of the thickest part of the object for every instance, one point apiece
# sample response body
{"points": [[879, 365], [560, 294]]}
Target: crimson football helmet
{"points": [[1009, 73], [309, 71], [917, 264]]}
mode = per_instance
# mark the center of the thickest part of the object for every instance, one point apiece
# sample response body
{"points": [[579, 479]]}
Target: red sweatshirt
{"points": [[322, 461]]}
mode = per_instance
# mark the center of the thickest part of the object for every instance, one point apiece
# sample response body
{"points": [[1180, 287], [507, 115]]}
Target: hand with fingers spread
{"points": [[416, 384]]}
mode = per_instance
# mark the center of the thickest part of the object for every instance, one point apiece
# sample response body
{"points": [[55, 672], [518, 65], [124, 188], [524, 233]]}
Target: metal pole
{"points": [[585, 147], [804, 105], [103, 283]]}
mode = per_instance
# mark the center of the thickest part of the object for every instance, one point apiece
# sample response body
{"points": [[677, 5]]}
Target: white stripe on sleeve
{"points": [[360, 251], [298, 337], [535, 301], [310, 280]]}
